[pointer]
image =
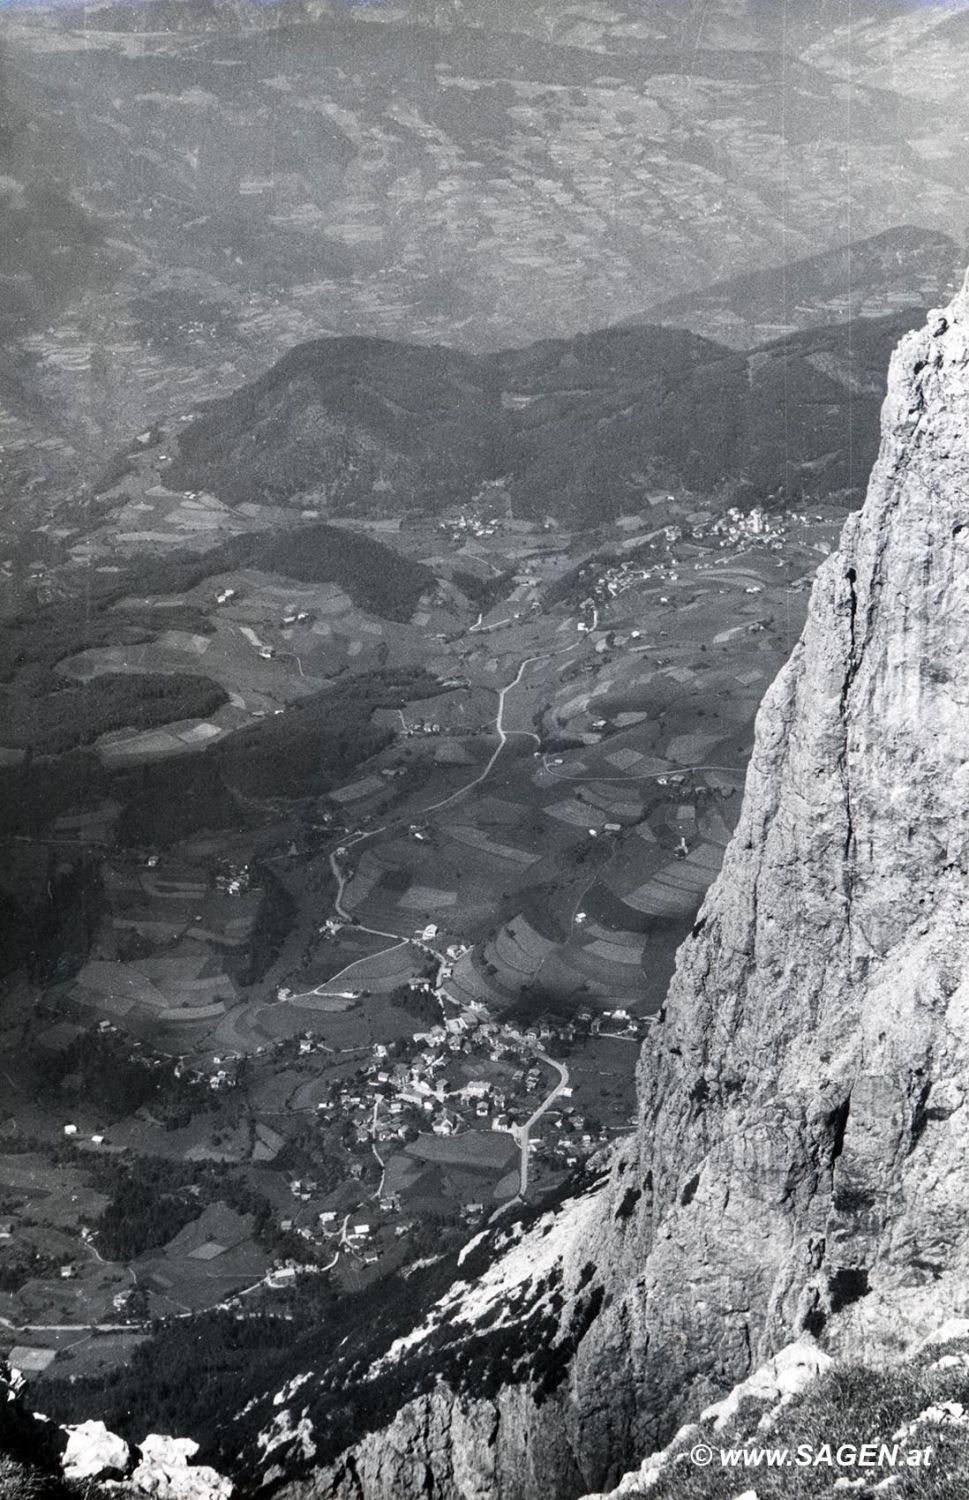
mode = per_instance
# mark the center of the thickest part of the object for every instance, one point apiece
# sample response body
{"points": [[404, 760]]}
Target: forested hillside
{"points": [[579, 429]]}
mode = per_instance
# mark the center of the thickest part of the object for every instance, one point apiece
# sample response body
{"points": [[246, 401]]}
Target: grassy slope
{"points": [[850, 1405]]}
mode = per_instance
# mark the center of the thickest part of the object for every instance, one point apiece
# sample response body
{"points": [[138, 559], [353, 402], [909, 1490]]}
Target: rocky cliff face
{"points": [[799, 1166]]}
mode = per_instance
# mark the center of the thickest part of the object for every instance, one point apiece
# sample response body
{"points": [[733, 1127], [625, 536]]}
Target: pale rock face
{"points": [[799, 1163], [951, 1330], [169, 1482], [283, 1432], [92, 1451], [789, 1373], [89, 1451], [13, 1384], [157, 1448], [164, 1472], [945, 1414]]}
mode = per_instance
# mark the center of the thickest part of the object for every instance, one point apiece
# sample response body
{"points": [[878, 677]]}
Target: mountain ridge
{"points": [[584, 427], [866, 278]]}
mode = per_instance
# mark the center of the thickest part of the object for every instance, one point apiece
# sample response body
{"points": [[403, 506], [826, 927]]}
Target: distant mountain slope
{"points": [[52, 254], [912, 49], [48, 714], [475, 174], [585, 428], [345, 417], [874, 277], [50, 246]]}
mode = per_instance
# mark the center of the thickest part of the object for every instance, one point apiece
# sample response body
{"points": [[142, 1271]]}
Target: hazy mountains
{"points": [[865, 279], [476, 175]]}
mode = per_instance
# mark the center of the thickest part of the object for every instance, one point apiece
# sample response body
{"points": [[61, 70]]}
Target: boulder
{"points": [[93, 1452], [165, 1473]]}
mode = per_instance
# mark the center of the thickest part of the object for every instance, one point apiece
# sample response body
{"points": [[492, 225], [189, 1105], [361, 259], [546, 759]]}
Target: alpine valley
{"points": [[483, 676]]}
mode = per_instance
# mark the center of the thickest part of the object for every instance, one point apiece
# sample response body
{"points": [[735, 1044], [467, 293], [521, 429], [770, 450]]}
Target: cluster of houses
{"points": [[567, 1138], [396, 1099], [422, 726], [424, 1087], [622, 576], [71, 1133], [736, 525], [233, 880], [459, 528], [750, 528]]}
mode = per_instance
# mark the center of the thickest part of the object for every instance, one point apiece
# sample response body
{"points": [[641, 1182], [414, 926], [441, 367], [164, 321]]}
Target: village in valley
{"points": [[357, 1027]]}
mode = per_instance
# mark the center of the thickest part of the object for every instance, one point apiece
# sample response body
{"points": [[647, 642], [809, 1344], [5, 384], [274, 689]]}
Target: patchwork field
{"points": [[523, 850]]}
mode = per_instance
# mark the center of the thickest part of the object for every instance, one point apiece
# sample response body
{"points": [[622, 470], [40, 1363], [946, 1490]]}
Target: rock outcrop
{"points": [[799, 1167], [165, 1472], [35, 1452], [93, 1452]]}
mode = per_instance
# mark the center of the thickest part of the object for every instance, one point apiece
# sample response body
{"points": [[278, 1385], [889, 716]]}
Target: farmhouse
{"points": [[476, 1089]]}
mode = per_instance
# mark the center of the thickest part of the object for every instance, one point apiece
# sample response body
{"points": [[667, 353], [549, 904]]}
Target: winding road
{"points": [[399, 940], [522, 1133], [503, 738]]}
